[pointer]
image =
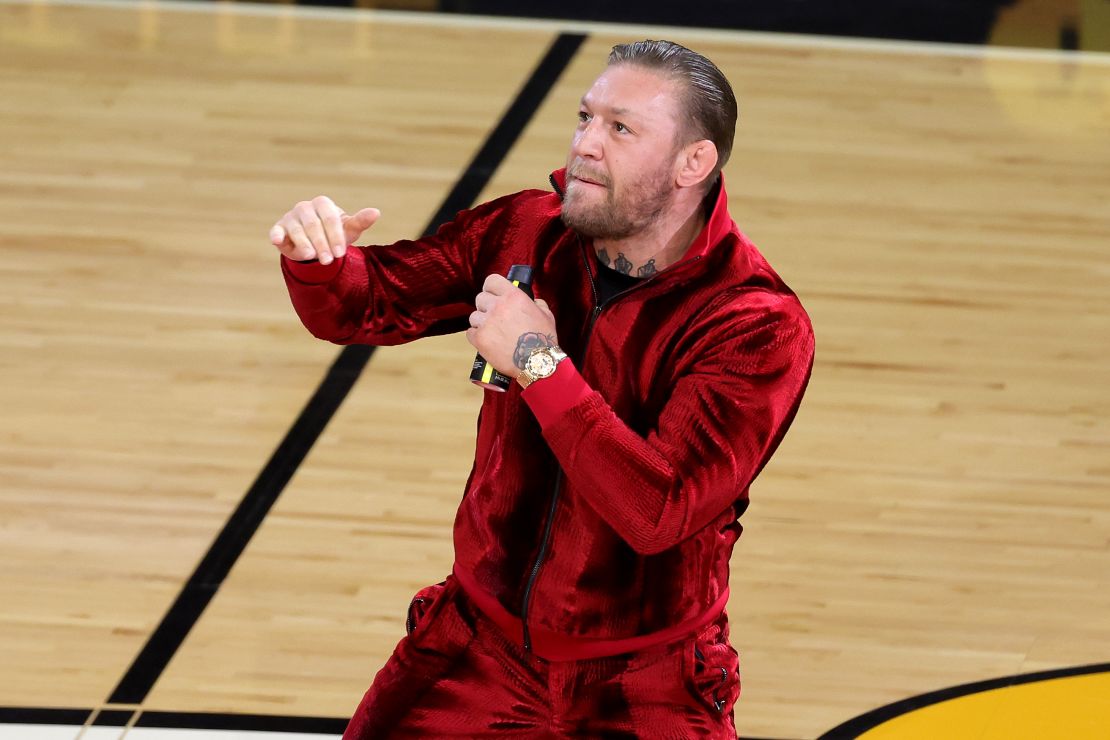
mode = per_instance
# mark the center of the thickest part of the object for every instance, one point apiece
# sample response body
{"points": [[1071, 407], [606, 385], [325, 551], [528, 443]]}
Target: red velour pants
{"points": [[455, 675]]}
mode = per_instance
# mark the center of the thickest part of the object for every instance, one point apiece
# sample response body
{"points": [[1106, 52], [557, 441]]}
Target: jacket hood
{"points": [[718, 225]]}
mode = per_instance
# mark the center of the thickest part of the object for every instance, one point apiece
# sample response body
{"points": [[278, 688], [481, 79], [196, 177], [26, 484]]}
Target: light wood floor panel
{"points": [[318, 600], [937, 515], [151, 361]]}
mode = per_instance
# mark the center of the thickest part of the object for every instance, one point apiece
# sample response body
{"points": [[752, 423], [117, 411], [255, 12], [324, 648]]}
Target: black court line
{"points": [[113, 718], [243, 722], [337, 383], [43, 716], [855, 727]]}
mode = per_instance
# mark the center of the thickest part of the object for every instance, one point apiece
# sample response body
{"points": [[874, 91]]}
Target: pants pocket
{"points": [[439, 636], [712, 670], [422, 603]]}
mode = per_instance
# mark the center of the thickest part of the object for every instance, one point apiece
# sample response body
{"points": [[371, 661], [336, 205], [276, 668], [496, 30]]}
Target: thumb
{"points": [[354, 225]]}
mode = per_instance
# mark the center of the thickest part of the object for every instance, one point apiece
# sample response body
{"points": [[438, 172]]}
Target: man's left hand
{"points": [[508, 325]]}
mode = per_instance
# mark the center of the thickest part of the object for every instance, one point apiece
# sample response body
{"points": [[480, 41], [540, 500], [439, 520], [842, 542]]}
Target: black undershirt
{"points": [[610, 282]]}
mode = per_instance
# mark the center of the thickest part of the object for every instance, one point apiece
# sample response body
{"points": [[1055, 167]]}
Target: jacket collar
{"points": [[718, 225]]}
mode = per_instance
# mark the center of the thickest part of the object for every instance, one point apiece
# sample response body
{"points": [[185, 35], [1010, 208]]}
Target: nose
{"points": [[587, 141]]}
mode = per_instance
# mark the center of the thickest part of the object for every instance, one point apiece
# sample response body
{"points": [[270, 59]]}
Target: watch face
{"points": [[540, 364]]}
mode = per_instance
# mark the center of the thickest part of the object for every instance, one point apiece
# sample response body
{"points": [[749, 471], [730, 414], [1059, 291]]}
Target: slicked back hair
{"points": [[709, 103]]}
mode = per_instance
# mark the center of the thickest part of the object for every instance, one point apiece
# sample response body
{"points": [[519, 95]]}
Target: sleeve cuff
{"points": [[551, 397], [313, 272]]}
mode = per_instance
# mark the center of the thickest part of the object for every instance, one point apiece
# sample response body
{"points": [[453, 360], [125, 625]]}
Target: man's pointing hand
{"points": [[319, 229]]}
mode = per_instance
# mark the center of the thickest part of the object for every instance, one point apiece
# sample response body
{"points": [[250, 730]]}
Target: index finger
{"points": [[331, 216], [277, 235]]}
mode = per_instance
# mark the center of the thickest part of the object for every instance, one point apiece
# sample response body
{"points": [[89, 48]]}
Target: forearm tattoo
{"points": [[529, 341]]}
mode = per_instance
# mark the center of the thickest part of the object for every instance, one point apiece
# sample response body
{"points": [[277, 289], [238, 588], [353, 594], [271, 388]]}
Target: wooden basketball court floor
{"points": [[938, 516]]}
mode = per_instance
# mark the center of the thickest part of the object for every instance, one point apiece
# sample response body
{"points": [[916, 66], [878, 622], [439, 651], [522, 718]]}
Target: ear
{"points": [[695, 163]]}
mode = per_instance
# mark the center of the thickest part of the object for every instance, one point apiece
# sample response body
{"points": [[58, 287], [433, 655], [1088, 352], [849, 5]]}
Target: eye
{"points": [[583, 116], [621, 128]]}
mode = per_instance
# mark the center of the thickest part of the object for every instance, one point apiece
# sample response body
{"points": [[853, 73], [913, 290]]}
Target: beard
{"points": [[621, 213]]}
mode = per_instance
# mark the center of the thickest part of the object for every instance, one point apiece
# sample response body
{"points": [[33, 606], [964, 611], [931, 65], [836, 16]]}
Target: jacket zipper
{"points": [[539, 561], [527, 597], [526, 600]]}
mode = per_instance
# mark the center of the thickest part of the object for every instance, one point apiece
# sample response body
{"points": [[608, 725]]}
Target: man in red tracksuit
{"points": [[657, 371]]}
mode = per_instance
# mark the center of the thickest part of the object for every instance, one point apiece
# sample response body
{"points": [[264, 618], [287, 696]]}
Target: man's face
{"points": [[622, 159]]}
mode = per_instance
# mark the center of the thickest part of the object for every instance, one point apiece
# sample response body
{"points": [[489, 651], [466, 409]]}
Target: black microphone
{"points": [[482, 373]]}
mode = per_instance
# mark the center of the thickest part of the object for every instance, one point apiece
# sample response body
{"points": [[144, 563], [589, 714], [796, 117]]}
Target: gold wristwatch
{"points": [[541, 363]]}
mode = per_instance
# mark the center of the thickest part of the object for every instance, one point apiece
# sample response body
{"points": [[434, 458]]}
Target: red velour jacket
{"points": [[601, 511]]}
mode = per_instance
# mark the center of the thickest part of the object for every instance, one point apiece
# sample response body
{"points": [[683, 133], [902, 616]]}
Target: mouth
{"points": [[587, 181]]}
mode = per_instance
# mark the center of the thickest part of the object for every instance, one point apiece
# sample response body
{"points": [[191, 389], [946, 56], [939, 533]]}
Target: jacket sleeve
{"points": [[727, 412], [395, 293]]}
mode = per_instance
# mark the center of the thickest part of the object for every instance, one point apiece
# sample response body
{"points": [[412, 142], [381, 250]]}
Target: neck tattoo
{"points": [[624, 266]]}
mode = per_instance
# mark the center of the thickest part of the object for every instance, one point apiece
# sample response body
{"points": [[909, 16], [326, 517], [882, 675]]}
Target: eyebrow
{"points": [[614, 111]]}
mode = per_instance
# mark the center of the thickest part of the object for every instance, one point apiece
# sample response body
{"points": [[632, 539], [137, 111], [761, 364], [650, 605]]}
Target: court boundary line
{"points": [[766, 39], [856, 726], [76, 716]]}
